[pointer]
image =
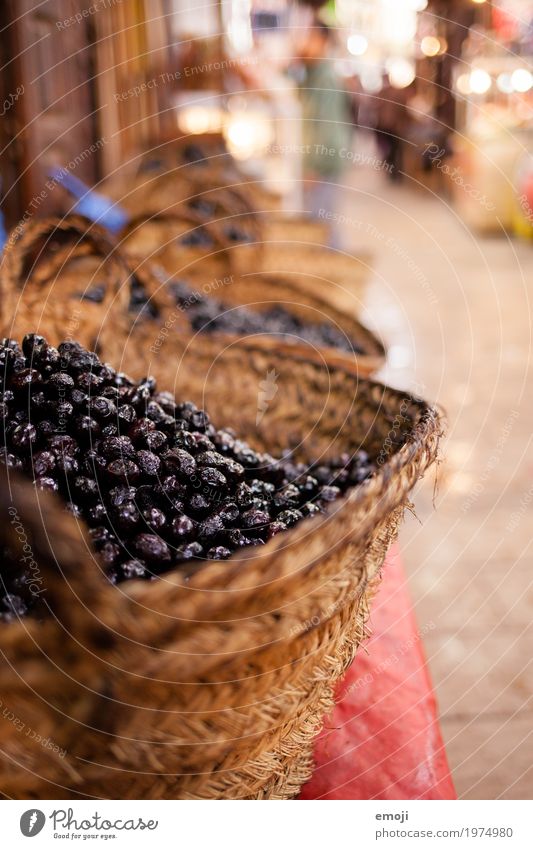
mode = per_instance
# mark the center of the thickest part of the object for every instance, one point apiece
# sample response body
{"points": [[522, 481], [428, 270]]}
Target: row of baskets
{"points": [[212, 685], [69, 274], [189, 215]]}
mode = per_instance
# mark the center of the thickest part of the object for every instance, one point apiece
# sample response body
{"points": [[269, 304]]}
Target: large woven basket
{"points": [[365, 353], [213, 683], [167, 206], [190, 155], [178, 168], [206, 159], [185, 245], [64, 275], [200, 153], [170, 190]]}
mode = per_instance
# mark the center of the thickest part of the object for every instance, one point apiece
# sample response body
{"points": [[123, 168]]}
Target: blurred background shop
{"points": [[425, 85], [406, 126]]}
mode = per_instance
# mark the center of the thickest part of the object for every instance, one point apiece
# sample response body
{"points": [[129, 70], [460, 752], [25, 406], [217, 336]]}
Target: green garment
{"points": [[327, 122]]}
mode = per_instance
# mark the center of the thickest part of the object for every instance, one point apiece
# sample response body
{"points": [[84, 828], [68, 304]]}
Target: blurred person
{"points": [[327, 124], [428, 134], [355, 95], [392, 127]]}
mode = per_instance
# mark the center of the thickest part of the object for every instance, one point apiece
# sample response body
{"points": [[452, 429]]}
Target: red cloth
{"points": [[383, 739]]}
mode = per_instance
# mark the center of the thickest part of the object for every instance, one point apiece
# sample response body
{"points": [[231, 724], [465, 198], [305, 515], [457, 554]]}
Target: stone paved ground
{"points": [[454, 309]]}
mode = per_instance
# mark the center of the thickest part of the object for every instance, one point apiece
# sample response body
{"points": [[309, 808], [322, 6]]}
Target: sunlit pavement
{"points": [[454, 310]]}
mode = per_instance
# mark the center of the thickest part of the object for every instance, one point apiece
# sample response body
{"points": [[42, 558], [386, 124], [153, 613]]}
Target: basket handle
{"points": [[24, 241], [27, 234], [25, 238]]}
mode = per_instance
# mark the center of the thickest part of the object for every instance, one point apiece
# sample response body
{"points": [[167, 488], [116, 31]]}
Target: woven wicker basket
{"points": [[48, 270], [169, 190], [214, 683], [205, 159], [168, 205], [261, 294], [175, 170], [199, 153], [162, 237]]}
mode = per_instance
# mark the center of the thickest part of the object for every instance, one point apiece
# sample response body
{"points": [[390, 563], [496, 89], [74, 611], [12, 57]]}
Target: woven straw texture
{"points": [[203, 160], [179, 240], [213, 683], [199, 175], [53, 262], [236, 237], [297, 228], [48, 268], [318, 269], [259, 295]]}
